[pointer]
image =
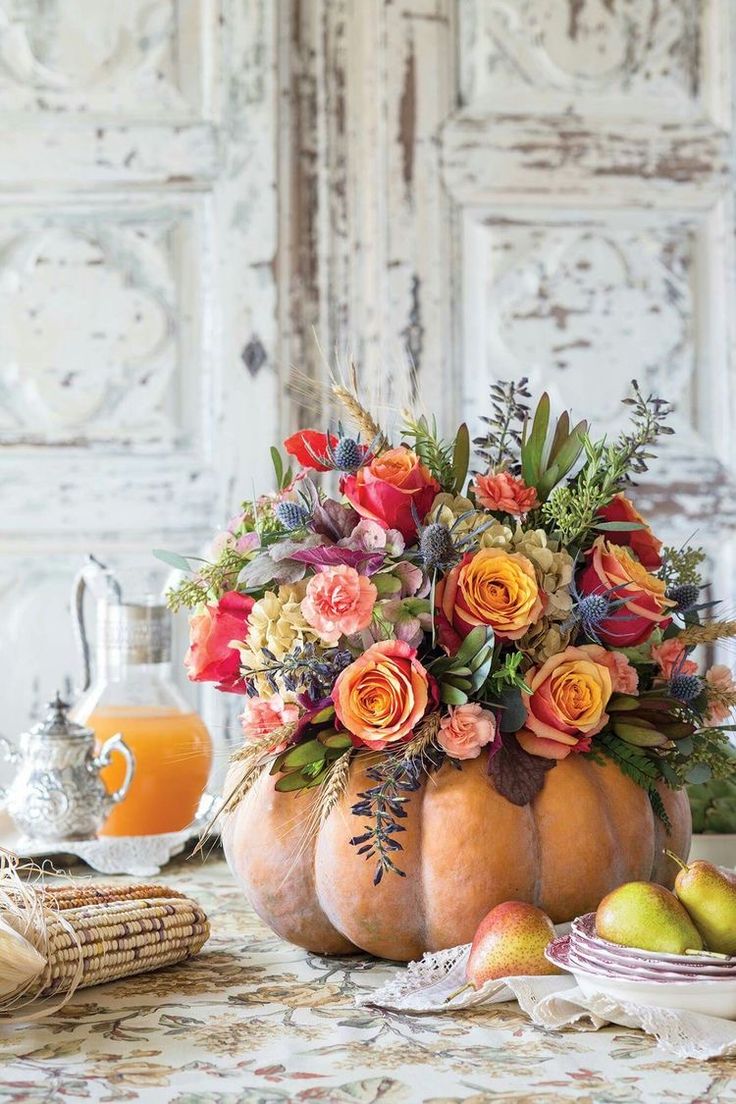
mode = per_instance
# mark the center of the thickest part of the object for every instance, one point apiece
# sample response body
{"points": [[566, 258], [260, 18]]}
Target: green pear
{"points": [[710, 898], [648, 917]]}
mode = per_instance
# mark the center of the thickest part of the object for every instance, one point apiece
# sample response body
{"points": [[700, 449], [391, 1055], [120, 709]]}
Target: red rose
{"points": [[642, 542], [308, 444], [391, 490], [613, 572], [210, 657]]}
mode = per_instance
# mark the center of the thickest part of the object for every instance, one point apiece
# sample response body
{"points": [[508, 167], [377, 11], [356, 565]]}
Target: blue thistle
{"points": [[588, 613], [436, 547], [685, 688], [347, 455], [291, 515], [685, 596]]}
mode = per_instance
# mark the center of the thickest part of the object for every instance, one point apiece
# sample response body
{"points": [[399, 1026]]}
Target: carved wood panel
{"points": [[138, 344]]}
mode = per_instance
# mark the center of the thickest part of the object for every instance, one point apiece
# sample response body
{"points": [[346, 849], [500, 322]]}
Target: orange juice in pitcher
{"points": [[133, 693]]}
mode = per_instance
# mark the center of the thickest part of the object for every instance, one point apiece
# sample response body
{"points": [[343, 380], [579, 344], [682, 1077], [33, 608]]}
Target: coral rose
{"points": [[339, 601], [672, 658], [624, 679], [465, 729], [262, 716], [382, 695], [391, 490], [504, 493], [489, 587], [210, 657], [721, 693], [613, 571], [646, 547], [566, 704]]}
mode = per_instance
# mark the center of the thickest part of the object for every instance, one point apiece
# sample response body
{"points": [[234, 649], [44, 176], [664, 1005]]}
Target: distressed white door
{"points": [[138, 388], [532, 187]]}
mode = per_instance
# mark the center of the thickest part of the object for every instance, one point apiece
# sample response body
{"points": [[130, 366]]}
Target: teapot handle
{"points": [[111, 745], [8, 754]]}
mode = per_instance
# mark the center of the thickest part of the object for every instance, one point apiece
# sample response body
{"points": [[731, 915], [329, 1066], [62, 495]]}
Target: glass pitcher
{"points": [[133, 692]]}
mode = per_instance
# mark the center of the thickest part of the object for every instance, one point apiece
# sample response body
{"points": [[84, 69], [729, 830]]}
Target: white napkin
{"points": [[552, 1002]]}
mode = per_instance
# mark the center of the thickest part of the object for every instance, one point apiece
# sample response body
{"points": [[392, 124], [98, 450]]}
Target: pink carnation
{"points": [[338, 602], [670, 655], [504, 493], [262, 716], [624, 679], [465, 729], [720, 680]]}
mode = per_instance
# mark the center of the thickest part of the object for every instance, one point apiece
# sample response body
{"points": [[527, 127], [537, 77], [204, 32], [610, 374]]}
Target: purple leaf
{"points": [[517, 775], [333, 520], [332, 556]]}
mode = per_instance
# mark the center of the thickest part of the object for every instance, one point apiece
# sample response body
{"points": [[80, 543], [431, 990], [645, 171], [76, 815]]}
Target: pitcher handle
{"points": [[8, 754], [111, 745], [79, 586]]}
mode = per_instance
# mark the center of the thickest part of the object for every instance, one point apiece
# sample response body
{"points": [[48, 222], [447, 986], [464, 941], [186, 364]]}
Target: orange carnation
{"points": [[566, 704], [504, 493], [489, 587], [382, 695]]}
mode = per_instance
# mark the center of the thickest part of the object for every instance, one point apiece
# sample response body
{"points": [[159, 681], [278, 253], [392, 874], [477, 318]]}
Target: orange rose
{"points": [[613, 571], [642, 542], [391, 490], [566, 704], [382, 695], [489, 587]]}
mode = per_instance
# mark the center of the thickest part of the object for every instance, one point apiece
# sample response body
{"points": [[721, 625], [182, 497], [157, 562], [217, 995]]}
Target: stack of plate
{"points": [[698, 983]]}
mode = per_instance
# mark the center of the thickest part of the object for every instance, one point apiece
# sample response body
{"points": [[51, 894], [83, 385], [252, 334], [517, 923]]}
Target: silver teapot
{"points": [[57, 793]]}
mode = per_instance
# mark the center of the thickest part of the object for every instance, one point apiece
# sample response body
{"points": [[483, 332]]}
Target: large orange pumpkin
{"points": [[466, 849]]}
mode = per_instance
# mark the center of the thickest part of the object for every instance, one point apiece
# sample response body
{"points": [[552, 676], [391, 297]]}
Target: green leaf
{"points": [[461, 458], [310, 752], [294, 781], [324, 715], [618, 526], [450, 695], [480, 636], [640, 735], [278, 466], [336, 740], [173, 559], [532, 450], [562, 431], [698, 773], [513, 711]]}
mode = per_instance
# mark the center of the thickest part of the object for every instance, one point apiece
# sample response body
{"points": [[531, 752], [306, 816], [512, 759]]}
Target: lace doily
{"points": [[552, 1002]]}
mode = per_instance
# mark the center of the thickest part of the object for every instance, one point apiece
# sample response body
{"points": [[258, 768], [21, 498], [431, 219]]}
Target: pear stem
{"points": [[675, 858], [457, 992]]}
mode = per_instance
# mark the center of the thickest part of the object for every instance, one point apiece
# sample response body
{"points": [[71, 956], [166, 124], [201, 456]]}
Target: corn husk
{"points": [[20, 962]]}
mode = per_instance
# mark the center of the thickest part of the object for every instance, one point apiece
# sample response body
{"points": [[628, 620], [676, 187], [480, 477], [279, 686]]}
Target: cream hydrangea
{"points": [[276, 622], [447, 509]]}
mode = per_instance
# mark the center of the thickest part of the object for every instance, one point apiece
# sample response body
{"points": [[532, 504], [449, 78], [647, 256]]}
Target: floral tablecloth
{"points": [[256, 1020]]}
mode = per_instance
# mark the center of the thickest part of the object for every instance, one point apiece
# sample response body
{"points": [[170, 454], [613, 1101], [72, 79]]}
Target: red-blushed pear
{"points": [[710, 898], [510, 941]]}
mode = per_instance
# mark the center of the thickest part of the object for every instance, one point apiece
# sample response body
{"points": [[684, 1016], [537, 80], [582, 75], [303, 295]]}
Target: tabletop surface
{"points": [[253, 1019]]}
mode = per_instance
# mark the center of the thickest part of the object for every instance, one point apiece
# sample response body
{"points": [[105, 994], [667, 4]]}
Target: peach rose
{"points": [[671, 657], [465, 729], [642, 542], [566, 704], [261, 716], [721, 688], [624, 679], [613, 571], [382, 695], [489, 587], [338, 601], [210, 657], [391, 490], [504, 493]]}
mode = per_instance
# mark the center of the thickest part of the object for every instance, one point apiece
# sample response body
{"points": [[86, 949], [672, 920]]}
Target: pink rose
{"points": [[671, 657], [394, 489], [338, 602], [624, 679], [465, 729], [721, 688], [261, 716], [504, 493], [211, 657]]}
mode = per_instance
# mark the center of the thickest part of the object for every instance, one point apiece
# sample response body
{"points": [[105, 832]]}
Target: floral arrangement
{"points": [[523, 611]]}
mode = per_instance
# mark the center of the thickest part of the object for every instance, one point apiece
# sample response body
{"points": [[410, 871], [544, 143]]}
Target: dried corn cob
{"points": [[74, 896]]}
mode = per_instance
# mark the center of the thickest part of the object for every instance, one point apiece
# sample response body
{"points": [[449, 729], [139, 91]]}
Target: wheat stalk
{"points": [[333, 788], [348, 398], [708, 633], [424, 738]]}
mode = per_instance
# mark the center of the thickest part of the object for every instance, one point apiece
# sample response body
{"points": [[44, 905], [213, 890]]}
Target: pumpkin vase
{"points": [[465, 849]]}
